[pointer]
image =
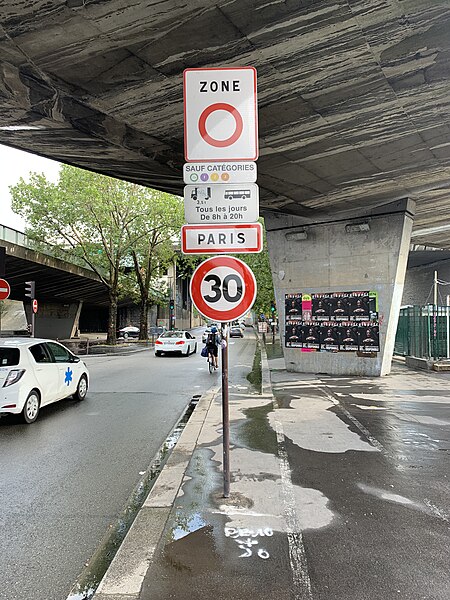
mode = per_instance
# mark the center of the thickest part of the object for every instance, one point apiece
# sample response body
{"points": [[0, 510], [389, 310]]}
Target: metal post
{"points": [[447, 308], [225, 413], [33, 322]]}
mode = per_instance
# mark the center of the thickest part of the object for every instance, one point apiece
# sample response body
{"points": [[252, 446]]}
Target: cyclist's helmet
{"points": [[213, 329]]}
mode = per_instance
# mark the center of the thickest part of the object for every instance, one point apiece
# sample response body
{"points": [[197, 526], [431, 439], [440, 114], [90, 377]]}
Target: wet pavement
{"points": [[340, 490]]}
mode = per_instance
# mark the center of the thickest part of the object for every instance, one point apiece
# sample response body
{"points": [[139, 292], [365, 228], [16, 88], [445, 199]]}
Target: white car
{"points": [[36, 372], [176, 341], [128, 332]]}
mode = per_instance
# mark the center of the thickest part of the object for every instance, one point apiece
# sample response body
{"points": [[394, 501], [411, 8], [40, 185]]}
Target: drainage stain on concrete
{"points": [[255, 432]]}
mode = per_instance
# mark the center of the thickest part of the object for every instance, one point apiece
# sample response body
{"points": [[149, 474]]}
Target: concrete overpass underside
{"points": [[354, 105], [63, 290]]}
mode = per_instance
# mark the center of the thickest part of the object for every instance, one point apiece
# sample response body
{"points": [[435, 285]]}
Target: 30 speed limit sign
{"points": [[223, 288]]}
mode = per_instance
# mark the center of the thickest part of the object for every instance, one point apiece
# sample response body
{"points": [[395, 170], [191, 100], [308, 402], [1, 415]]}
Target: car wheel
{"points": [[195, 348], [125, 336], [82, 389], [31, 408], [157, 353]]}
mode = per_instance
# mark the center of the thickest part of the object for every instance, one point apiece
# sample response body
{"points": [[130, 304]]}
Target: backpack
{"points": [[211, 339]]}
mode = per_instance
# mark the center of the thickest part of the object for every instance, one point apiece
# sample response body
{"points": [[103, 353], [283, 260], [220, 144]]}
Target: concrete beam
{"points": [[336, 257]]}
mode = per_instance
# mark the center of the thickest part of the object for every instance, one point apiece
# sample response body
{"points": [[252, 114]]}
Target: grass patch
{"points": [[255, 375]]}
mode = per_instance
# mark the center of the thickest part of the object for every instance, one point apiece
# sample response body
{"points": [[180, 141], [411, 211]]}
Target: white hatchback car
{"points": [[176, 341], [35, 372]]}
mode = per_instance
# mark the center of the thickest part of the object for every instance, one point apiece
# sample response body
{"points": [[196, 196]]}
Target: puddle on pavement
{"points": [[89, 580], [255, 432]]}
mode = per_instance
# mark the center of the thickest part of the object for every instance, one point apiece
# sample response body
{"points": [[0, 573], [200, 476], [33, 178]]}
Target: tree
{"points": [[87, 214], [260, 265], [158, 224]]}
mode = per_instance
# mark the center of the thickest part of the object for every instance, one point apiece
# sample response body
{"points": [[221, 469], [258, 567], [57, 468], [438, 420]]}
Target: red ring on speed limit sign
{"points": [[235, 266], [228, 141]]}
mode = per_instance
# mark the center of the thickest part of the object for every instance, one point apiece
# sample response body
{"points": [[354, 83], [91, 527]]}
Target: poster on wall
{"points": [[293, 307], [311, 335], [349, 337], [329, 336], [369, 338], [294, 334], [359, 306], [321, 307], [332, 322], [339, 306]]}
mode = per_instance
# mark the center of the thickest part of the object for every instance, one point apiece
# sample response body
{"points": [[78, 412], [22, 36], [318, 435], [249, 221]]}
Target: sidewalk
{"points": [[340, 491]]}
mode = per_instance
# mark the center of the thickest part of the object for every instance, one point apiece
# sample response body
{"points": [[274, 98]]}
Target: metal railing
{"points": [[12, 236], [423, 332]]}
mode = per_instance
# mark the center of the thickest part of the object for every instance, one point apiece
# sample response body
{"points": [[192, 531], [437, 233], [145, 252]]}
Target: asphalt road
{"points": [[65, 479]]}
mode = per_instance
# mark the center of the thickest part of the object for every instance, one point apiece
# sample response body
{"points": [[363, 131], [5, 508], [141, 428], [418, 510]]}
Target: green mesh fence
{"points": [[423, 332]]}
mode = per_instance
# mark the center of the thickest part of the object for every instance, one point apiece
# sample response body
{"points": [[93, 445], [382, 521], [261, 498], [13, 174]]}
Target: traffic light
{"points": [[30, 289], [272, 308], [172, 304]]}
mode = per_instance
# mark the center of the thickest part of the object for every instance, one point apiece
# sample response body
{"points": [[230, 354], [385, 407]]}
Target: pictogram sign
{"points": [[220, 114]]}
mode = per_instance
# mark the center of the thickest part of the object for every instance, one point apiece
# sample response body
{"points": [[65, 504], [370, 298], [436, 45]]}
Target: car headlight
{"points": [[13, 376]]}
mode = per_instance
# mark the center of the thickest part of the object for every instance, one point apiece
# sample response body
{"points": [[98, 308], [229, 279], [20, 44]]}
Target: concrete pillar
{"points": [[55, 321], [366, 253]]}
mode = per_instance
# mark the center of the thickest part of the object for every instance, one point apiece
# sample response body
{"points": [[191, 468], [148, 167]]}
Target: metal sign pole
{"points": [[225, 413], [33, 322]]}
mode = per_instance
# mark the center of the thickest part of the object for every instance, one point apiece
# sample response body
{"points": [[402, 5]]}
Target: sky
{"points": [[15, 164]]}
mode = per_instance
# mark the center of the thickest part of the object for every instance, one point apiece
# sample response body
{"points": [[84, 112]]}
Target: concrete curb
{"points": [[125, 575]]}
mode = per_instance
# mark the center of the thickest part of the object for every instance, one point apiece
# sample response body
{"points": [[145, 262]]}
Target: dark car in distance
{"points": [[236, 331]]}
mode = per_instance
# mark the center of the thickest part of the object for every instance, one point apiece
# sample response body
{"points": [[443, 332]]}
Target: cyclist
{"points": [[212, 344]]}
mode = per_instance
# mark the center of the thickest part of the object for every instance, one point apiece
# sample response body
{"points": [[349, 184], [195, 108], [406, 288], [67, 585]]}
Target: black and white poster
{"points": [[311, 335], [369, 338], [339, 307], [337, 321], [349, 337], [293, 307], [359, 306], [329, 336], [294, 334], [321, 307]]}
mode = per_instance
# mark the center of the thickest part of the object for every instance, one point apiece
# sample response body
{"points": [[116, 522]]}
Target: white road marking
{"points": [[297, 552]]}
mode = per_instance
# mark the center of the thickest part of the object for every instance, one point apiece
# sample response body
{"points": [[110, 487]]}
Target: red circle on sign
{"points": [[35, 306], [5, 289], [236, 266], [228, 108]]}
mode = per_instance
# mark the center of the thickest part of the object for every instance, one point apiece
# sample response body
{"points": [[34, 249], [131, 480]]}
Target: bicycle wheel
{"points": [[210, 365]]}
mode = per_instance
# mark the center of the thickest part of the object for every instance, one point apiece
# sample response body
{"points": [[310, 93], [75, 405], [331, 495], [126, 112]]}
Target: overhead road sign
{"points": [[220, 172], [5, 289], [221, 203], [223, 288], [220, 239], [220, 114]]}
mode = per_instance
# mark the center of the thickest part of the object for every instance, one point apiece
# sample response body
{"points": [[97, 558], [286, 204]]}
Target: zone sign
{"points": [[223, 288], [220, 114]]}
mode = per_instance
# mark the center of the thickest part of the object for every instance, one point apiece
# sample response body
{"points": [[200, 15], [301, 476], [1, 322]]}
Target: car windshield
{"points": [[9, 357], [172, 334]]}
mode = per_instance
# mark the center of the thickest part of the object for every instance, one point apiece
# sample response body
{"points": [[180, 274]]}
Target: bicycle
{"points": [[211, 364]]}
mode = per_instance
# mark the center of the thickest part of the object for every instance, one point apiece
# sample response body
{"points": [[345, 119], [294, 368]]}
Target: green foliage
{"points": [[112, 225], [260, 265]]}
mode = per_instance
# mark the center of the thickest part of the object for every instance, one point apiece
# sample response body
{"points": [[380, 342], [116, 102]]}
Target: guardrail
{"points": [[13, 236]]}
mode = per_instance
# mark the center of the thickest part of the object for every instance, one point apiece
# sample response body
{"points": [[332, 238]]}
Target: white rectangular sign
{"points": [[220, 114], [221, 203], [220, 239], [219, 172]]}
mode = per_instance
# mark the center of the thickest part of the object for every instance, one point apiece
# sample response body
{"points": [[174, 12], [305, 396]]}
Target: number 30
{"points": [[221, 288]]}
